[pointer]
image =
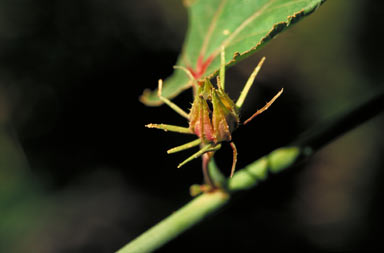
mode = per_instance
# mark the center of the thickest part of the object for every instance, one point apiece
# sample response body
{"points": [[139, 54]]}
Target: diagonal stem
{"points": [[280, 159]]}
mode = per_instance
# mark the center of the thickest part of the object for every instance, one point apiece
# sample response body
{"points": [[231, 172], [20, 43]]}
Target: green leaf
{"points": [[240, 26]]}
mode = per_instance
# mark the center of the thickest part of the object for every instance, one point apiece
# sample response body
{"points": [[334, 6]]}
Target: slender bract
{"points": [[170, 103], [171, 128], [249, 83], [222, 69], [184, 146]]}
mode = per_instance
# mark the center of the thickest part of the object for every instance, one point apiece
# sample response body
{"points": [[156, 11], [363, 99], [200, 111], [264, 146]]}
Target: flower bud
{"points": [[217, 125]]}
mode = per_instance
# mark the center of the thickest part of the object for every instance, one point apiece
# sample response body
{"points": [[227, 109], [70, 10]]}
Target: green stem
{"points": [[202, 206], [186, 217], [278, 160], [257, 171]]}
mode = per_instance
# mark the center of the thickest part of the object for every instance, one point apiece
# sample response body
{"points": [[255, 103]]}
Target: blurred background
{"points": [[80, 173]]}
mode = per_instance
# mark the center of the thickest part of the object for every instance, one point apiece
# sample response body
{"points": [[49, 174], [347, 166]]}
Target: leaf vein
{"points": [[244, 24], [211, 27]]}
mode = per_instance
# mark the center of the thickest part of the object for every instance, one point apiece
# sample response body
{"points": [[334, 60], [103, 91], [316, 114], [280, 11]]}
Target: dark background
{"points": [[80, 173]]}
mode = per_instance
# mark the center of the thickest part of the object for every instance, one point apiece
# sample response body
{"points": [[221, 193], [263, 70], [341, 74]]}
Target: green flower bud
{"points": [[217, 125]]}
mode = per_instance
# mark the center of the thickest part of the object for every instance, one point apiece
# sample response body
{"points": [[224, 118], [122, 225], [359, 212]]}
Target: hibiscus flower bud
{"points": [[216, 125]]}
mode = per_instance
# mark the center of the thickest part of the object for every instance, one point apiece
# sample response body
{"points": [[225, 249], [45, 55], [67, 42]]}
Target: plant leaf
{"points": [[240, 26]]}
